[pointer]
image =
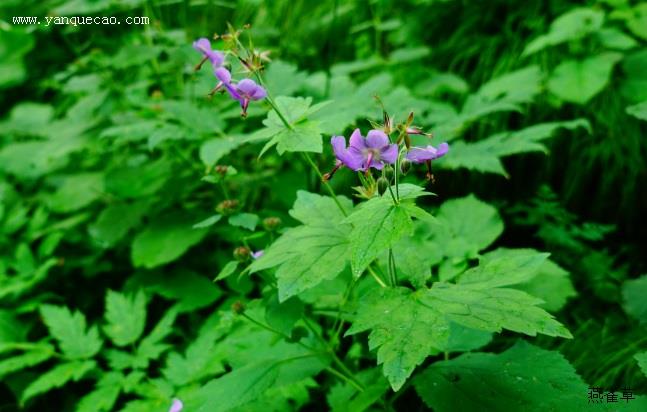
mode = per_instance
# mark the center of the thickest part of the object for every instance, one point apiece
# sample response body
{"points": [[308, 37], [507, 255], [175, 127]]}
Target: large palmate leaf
{"points": [[407, 326], [522, 378], [69, 329], [578, 81], [485, 155], [308, 254]]}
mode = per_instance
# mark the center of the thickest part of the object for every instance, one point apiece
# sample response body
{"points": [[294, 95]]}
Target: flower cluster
{"points": [[376, 150], [243, 91]]}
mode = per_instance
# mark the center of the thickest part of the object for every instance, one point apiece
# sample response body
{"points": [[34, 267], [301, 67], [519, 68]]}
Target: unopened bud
{"points": [[221, 169], [227, 207], [405, 166], [382, 185], [388, 172], [242, 253], [238, 307], [271, 223]]}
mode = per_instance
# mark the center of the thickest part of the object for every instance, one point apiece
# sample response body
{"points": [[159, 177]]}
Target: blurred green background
{"points": [[106, 135]]}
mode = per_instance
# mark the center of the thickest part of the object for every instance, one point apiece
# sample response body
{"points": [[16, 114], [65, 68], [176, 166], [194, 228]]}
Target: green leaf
{"points": [[251, 382], [57, 377], [505, 267], [467, 225], [125, 316], [303, 135], [633, 298], [615, 39], [208, 222], [227, 270], [115, 221], [572, 25], [283, 315], [201, 360], [164, 241], [104, 396], [578, 81], [150, 347], [33, 356], [138, 180], [213, 150], [69, 329], [377, 225], [639, 110], [522, 378], [485, 155], [407, 326], [478, 306], [192, 291], [244, 220], [519, 86], [552, 284], [343, 397], [404, 331], [464, 339], [308, 254], [642, 361]]}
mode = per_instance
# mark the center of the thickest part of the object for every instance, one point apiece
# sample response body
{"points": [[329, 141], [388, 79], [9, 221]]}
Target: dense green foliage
{"points": [[134, 206]]}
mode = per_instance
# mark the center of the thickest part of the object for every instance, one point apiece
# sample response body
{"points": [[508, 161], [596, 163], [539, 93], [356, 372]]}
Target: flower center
{"points": [[371, 153]]}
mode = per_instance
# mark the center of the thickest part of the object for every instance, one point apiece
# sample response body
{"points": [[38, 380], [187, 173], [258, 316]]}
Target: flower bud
{"points": [[382, 185], [405, 166], [242, 253], [238, 307], [271, 223], [221, 169], [388, 172], [227, 207]]}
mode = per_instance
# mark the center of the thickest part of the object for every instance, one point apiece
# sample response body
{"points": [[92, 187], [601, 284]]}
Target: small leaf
{"points": [[164, 241], [642, 361], [208, 222], [633, 298], [33, 356], [57, 377], [244, 220], [639, 110], [126, 317], [227, 270], [69, 329]]}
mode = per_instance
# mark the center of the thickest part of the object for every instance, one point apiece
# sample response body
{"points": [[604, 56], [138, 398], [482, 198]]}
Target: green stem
{"points": [[308, 158], [376, 277], [343, 377]]}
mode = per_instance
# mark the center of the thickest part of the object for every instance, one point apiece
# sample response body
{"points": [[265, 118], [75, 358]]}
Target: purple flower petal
{"points": [[424, 154], [203, 45], [343, 155], [258, 254], [357, 141], [246, 87], [389, 154], [223, 75], [376, 139], [176, 406], [259, 93]]}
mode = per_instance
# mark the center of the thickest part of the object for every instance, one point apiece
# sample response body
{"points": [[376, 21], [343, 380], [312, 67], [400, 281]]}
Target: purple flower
{"points": [[248, 90], [425, 154], [258, 254], [204, 46], [176, 406], [363, 153]]}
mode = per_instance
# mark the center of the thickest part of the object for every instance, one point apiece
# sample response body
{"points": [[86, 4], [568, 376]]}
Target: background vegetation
{"points": [[113, 222]]}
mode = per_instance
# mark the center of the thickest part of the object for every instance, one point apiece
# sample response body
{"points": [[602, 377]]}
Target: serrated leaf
{"points": [[33, 356], [642, 361], [578, 81], [308, 254], [57, 377], [407, 326], [505, 267], [125, 316], [522, 378], [552, 284], [104, 396], [633, 298], [163, 241], [69, 329], [377, 225], [639, 110], [403, 331]]}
